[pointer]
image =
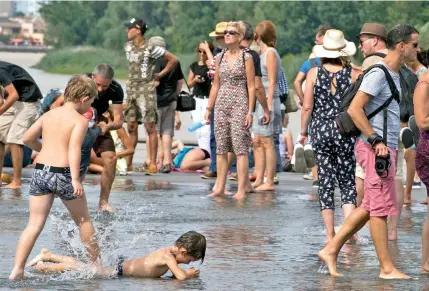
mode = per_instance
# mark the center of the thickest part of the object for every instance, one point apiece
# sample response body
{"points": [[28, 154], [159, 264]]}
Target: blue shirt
{"points": [[307, 65]]}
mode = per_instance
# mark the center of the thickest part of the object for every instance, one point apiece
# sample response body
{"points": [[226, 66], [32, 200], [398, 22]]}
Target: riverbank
{"points": [[84, 59]]}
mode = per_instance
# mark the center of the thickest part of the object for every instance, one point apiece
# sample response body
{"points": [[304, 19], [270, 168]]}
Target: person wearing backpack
{"points": [[372, 40], [334, 152], [376, 150]]}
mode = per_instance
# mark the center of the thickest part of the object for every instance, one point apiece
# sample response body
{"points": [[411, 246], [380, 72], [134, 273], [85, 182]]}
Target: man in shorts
{"points": [[18, 112], [378, 143], [141, 91]]}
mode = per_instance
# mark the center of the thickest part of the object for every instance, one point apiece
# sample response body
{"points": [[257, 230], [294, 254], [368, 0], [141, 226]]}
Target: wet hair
{"points": [[211, 45], [422, 57], [322, 29], [342, 61], [266, 30], [194, 243], [399, 33], [80, 86], [104, 71], [248, 31]]}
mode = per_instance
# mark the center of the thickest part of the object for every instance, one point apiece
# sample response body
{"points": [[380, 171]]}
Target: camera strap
{"points": [[385, 126]]}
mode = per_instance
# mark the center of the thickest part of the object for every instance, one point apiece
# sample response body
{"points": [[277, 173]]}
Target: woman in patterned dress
{"points": [[334, 152], [233, 93]]}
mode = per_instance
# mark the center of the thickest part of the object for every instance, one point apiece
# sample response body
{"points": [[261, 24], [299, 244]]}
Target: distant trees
{"points": [[182, 24]]}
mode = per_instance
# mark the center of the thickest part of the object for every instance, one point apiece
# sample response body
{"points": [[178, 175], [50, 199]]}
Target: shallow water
{"points": [[269, 242]]}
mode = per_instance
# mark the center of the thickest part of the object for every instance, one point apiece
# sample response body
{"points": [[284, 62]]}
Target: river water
{"points": [[269, 242]]}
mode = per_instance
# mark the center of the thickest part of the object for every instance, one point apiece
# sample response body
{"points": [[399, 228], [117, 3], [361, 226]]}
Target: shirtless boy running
{"points": [[57, 169], [190, 247]]}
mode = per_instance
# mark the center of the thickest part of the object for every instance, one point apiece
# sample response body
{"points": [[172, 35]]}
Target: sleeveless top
{"points": [[264, 71], [326, 104]]}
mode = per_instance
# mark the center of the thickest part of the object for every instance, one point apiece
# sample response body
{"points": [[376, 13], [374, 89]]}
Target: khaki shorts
{"points": [[141, 103], [166, 118], [17, 120], [399, 165]]}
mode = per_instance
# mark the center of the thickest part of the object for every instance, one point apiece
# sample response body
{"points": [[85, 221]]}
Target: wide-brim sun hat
{"points": [[334, 46], [219, 30]]}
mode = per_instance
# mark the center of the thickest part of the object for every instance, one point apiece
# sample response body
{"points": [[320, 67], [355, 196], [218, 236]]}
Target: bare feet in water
{"points": [[425, 201], [14, 185], [17, 274], [265, 187], [330, 259], [394, 274], [240, 196], [106, 207], [44, 255]]}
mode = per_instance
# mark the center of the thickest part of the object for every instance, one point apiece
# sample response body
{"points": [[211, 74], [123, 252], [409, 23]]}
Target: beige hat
{"points": [[220, 28], [157, 41], [334, 46]]}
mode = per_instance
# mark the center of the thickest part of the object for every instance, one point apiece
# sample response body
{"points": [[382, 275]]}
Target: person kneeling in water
{"points": [[190, 247]]}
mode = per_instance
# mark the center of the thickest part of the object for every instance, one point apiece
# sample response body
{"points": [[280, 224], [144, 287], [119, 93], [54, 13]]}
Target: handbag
{"points": [[290, 104], [185, 101]]}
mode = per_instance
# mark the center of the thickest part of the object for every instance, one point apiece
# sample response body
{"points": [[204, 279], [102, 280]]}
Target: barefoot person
{"points": [[421, 112], [190, 247], [380, 196], [233, 93], [18, 112], [58, 175]]}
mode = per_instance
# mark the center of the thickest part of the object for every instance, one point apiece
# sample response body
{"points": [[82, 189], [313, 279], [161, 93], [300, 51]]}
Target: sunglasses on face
{"points": [[415, 44], [361, 41], [202, 52], [230, 32]]}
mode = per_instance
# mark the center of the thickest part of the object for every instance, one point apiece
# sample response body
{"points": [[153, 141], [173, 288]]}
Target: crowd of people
{"points": [[241, 96]]}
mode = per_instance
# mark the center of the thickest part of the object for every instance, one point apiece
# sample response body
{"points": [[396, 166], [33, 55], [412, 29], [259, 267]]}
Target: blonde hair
{"points": [[239, 25], [266, 30], [80, 86]]}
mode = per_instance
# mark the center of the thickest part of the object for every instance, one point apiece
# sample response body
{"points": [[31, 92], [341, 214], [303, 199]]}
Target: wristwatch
{"points": [[374, 139]]}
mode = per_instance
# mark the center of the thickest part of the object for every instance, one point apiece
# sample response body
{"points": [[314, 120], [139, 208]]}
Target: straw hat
{"points": [[334, 46], [220, 28]]}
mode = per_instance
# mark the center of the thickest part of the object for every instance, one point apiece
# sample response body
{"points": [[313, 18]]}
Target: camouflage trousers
{"points": [[141, 103]]}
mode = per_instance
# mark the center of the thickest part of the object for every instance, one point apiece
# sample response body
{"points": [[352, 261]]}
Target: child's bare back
{"points": [[59, 128]]}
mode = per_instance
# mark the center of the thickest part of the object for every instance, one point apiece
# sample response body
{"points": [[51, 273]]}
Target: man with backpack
{"points": [[372, 43], [376, 150]]}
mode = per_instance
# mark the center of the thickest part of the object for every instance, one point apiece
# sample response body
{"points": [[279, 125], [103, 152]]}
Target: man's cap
{"points": [[137, 23], [50, 97], [373, 29], [219, 30]]}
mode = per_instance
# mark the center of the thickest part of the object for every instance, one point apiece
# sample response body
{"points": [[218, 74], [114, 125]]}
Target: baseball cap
{"points": [[50, 97], [137, 23]]}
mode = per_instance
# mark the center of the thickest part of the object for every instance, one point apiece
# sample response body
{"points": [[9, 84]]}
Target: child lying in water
{"points": [[189, 247]]}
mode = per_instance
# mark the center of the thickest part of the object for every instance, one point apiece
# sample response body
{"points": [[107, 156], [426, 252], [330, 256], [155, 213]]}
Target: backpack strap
{"points": [[392, 86], [377, 54]]}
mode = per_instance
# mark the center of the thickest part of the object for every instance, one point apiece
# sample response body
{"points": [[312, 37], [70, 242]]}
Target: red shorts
{"points": [[380, 193]]}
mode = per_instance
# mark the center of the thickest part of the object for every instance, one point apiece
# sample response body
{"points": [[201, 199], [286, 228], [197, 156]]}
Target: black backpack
{"points": [[408, 82], [344, 122]]}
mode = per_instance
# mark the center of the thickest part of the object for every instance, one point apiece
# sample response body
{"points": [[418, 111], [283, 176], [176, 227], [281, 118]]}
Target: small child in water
{"points": [[189, 247]]}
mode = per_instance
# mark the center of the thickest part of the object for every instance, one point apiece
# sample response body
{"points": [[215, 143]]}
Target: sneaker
{"points": [[415, 129], [417, 185], [165, 169], [233, 177], [406, 136], [209, 175], [316, 184], [300, 164], [151, 170], [308, 176], [309, 156]]}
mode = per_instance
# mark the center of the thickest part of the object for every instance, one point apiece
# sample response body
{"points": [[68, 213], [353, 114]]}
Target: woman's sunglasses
{"points": [[230, 32], [202, 52]]}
